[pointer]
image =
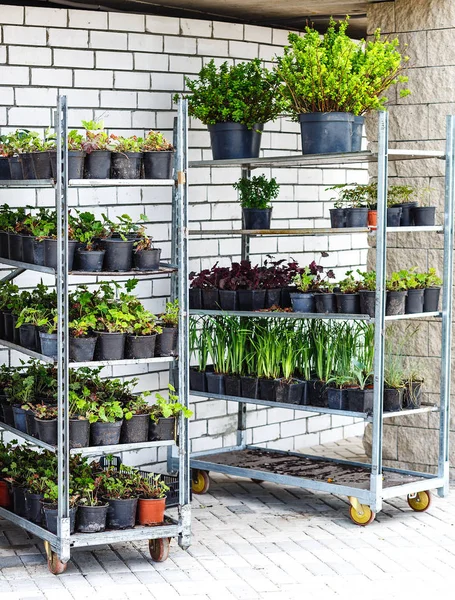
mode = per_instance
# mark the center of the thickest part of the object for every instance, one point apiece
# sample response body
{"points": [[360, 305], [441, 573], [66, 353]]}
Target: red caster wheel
{"points": [[159, 549]]}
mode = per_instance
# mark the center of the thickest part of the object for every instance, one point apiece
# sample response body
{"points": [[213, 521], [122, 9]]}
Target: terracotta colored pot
{"points": [[372, 219], [6, 499], [151, 512]]}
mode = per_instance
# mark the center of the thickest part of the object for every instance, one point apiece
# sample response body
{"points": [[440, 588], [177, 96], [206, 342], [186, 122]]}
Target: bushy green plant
{"points": [[257, 192], [304, 280], [156, 142], [130, 144], [170, 318], [168, 407]]}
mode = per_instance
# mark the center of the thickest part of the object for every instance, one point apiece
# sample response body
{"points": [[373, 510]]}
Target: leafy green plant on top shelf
{"points": [[432, 279], [168, 407], [75, 141], [144, 322], [46, 320], [396, 283], [151, 486], [368, 280], [45, 412], [412, 280], [257, 192], [41, 225], [122, 144], [95, 137], [137, 405], [156, 142], [107, 412]]}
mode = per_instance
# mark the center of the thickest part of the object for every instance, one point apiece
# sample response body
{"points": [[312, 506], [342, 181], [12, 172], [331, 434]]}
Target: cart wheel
{"points": [[54, 564], [159, 549], [363, 517], [200, 482], [420, 502]]}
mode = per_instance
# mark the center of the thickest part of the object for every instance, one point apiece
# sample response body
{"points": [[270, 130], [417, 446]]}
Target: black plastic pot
{"points": [[158, 165], [251, 299], [48, 342], [76, 160], [395, 303], [394, 216], [91, 519], [4, 248], [8, 415], [228, 299], [5, 173], [290, 392], [47, 430], [2, 326], [126, 165], [357, 126], [303, 302], [9, 326], [31, 425], [16, 339], [431, 299], [256, 218], [121, 514], [164, 430], [414, 301], [249, 386], [140, 346], [29, 337], [392, 399], [15, 167], [423, 215], [285, 301], [412, 395], [33, 250], [79, 433], [356, 217], [234, 140], [19, 418], [105, 434], [90, 260], [337, 399], [98, 165], [324, 133], [348, 303], [19, 506], [119, 254], [316, 393], [267, 389], [110, 346], [15, 246], [166, 342], [33, 507], [210, 299], [272, 298], [407, 218], [50, 253], [232, 385], [42, 165], [135, 429], [82, 349], [195, 298], [337, 218], [215, 383], [367, 300], [198, 382], [50, 518], [28, 168], [360, 400], [147, 260]]}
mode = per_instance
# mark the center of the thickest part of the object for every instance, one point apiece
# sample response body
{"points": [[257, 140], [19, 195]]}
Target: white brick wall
{"points": [[125, 68]]}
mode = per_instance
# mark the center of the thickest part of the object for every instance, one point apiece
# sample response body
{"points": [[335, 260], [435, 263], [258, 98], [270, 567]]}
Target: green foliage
{"points": [[304, 280], [257, 192], [171, 317], [368, 280], [75, 140], [86, 228], [155, 142], [122, 144], [348, 285], [168, 407], [151, 486], [432, 279]]}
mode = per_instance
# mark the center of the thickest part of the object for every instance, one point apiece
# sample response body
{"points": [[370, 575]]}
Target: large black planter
{"points": [[367, 299], [348, 303], [303, 302], [50, 253], [195, 298], [110, 346], [324, 133], [414, 301], [272, 298], [32, 250], [29, 337], [33, 507], [28, 168], [76, 160], [357, 127], [5, 173], [158, 165], [147, 260], [15, 167], [356, 217], [285, 301], [48, 343], [431, 299], [119, 254], [228, 299], [164, 429], [256, 218], [337, 398], [289, 392], [360, 400], [31, 425], [337, 218], [394, 216], [316, 393], [167, 342], [215, 383], [210, 299], [267, 389], [412, 395], [90, 260], [234, 140], [91, 519], [105, 434], [251, 299], [392, 399], [249, 386], [50, 518], [121, 514], [4, 247], [232, 385], [42, 165], [82, 349], [140, 346], [198, 382], [98, 165], [47, 430], [19, 505], [423, 215], [19, 418], [79, 433], [135, 429], [395, 303], [126, 165], [407, 217], [15, 246]]}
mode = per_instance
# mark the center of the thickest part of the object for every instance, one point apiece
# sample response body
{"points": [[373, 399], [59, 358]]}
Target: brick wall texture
{"points": [[125, 68]]}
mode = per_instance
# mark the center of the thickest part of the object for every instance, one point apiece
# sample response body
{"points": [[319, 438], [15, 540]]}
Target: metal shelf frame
{"points": [[375, 493], [178, 271]]}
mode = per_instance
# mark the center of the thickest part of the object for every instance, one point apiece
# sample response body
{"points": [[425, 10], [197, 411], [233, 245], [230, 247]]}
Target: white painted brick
{"points": [[310, 210], [291, 428], [2, 54], [87, 19], [20, 55], [28, 117], [93, 79], [306, 441], [145, 42], [167, 81], [339, 421], [285, 141], [143, 119], [185, 64], [49, 77], [24, 36], [179, 45], [155, 24], [243, 50], [310, 176], [316, 244], [225, 211], [14, 75], [280, 37], [195, 28], [118, 99], [339, 242], [283, 444], [128, 81], [348, 258], [151, 62], [266, 433], [152, 100], [198, 428], [49, 17], [318, 423], [165, 120], [126, 21], [74, 58], [258, 34], [331, 435], [267, 53], [353, 430], [210, 409], [14, 15], [359, 240], [114, 118], [229, 31], [290, 244], [75, 38], [7, 96], [204, 443], [222, 425], [114, 60], [334, 176], [212, 47], [108, 40], [36, 96], [78, 97]]}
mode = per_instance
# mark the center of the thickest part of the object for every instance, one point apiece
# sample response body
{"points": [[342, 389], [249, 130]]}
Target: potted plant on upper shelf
{"points": [[120, 241], [235, 101], [126, 160], [91, 510], [348, 298], [98, 148], [351, 205], [145, 256], [303, 299], [256, 195], [158, 156], [43, 151], [163, 415], [88, 231], [141, 333], [423, 215], [82, 323], [331, 81], [166, 342], [432, 288], [136, 412], [119, 490]]}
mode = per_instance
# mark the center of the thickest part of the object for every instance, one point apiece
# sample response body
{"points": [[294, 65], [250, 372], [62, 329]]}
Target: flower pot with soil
{"points": [[158, 156], [126, 164], [146, 257], [152, 500], [46, 423]]}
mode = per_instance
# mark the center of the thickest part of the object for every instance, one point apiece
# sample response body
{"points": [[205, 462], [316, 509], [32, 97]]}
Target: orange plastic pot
{"points": [[6, 500], [151, 511], [372, 219]]}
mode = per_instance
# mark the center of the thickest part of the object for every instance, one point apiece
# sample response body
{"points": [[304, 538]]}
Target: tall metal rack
{"points": [[58, 547], [365, 485]]}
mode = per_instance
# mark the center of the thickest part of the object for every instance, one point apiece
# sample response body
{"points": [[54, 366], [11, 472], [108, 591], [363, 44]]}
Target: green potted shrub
{"points": [[46, 423], [35, 228], [399, 196], [135, 426], [98, 148], [351, 206], [120, 242], [145, 256], [235, 101], [106, 420], [288, 388], [167, 340], [152, 499], [91, 509], [119, 489], [50, 508], [348, 298], [303, 299], [360, 393], [126, 157], [142, 334], [76, 155], [394, 377], [163, 415], [432, 291], [23, 395], [158, 156], [256, 195], [44, 149], [414, 283], [88, 231], [331, 81]]}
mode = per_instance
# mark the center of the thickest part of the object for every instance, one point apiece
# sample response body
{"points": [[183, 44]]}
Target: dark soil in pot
{"points": [[256, 218], [228, 300], [135, 429], [337, 218], [29, 337], [110, 346], [360, 400], [303, 302], [82, 349], [272, 298], [267, 389], [9, 326], [395, 303], [79, 433], [325, 303], [119, 254], [158, 165], [105, 434], [423, 215], [337, 398], [50, 513], [414, 301], [232, 385], [121, 514], [412, 395], [19, 418], [234, 140], [167, 342], [90, 260], [215, 383], [249, 386], [348, 303], [356, 217], [147, 260], [324, 133], [5, 173], [4, 249], [31, 425], [19, 506], [47, 430], [290, 392], [15, 167], [126, 165], [198, 382], [392, 399], [48, 343], [140, 346], [50, 253], [210, 299], [15, 246], [91, 519], [251, 299], [367, 299], [316, 394], [98, 165], [33, 506], [394, 216], [195, 298], [164, 430], [431, 299], [42, 165], [28, 168]]}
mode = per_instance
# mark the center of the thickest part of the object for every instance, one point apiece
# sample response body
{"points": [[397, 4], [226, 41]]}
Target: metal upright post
{"points": [[379, 333], [443, 462], [63, 526]]}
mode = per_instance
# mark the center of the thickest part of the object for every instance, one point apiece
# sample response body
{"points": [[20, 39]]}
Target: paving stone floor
{"points": [[257, 541]]}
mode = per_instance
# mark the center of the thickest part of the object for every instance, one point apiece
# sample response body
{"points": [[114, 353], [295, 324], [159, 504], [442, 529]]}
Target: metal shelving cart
{"points": [[58, 547], [365, 485]]}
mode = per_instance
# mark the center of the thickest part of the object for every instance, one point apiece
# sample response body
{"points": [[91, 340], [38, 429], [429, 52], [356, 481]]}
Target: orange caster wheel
{"points": [[200, 482], [159, 549], [420, 502], [361, 515], [54, 564]]}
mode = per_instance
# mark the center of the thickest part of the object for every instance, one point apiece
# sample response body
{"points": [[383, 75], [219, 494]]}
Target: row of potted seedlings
{"points": [[307, 362], [30, 235], [24, 154], [356, 206], [102, 412], [101, 326], [100, 498]]}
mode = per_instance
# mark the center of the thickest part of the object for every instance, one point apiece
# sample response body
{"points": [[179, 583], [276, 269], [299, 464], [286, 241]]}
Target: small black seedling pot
{"points": [[360, 400], [158, 164], [140, 346], [8, 415], [228, 300], [50, 514], [30, 423], [395, 303], [19, 505], [166, 342], [29, 337], [285, 301], [15, 167], [431, 299], [251, 299], [42, 165], [356, 217], [16, 339], [414, 301], [8, 326], [215, 383], [394, 216], [272, 298], [303, 302], [76, 160], [392, 399], [232, 385], [19, 416], [2, 325], [367, 300], [198, 382], [267, 389], [337, 398], [48, 343], [82, 349], [407, 218], [4, 249], [135, 429], [249, 386], [147, 260], [195, 298], [32, 250], [412, 395], [423, 215], [90, 260], [121, 514], [325, 303], [47, 430], [348, 303], [290, 392], [110, 346], [316, 393], [98, 165], [33, 507], [28, 169], [79, 433], [105, 434], [256, 218], [163, 430], [91, 519], [126, 165], [119, 254], [5, 173], [50, 253], [337, 218], [210, 299], [15, 246]]}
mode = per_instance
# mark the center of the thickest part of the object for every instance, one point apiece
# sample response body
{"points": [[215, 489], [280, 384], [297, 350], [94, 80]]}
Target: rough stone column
{"points": [[418, 121]]}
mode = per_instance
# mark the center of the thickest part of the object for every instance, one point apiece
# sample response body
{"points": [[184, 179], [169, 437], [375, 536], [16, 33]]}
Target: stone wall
{"points": [[418, 121]]}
